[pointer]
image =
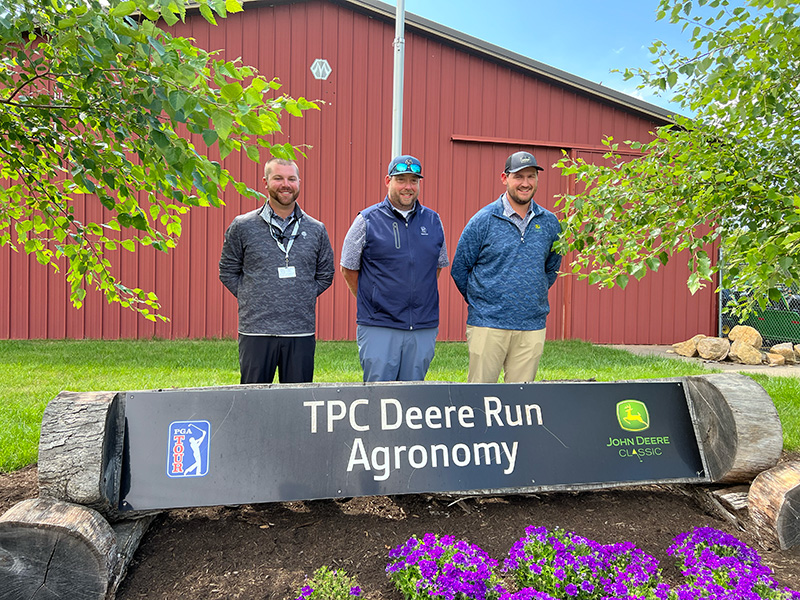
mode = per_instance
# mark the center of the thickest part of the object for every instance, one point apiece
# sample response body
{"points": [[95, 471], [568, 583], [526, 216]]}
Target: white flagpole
{"points": [[399, 65]]}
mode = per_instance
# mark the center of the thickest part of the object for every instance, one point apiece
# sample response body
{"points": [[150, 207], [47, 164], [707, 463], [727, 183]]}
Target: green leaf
{"points": [[232, 91], [170, 18], [209, 137], [223, 124], [774, 294], [123, 9], [207, 14], [177, 99], [156, 46], [253, 154], [672, 79], [159, 139], [693, 283], [233, 6]]}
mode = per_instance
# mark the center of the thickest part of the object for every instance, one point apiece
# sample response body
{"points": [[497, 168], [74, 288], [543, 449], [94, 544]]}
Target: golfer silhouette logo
{"points": [[189, 442]]}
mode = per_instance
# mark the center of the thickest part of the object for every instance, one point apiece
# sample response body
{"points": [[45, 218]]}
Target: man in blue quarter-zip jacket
{"points": [[504, 266], [391, 259]]}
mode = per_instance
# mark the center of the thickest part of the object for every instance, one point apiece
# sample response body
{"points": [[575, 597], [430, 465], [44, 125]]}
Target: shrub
{"points": [[327, 584]]}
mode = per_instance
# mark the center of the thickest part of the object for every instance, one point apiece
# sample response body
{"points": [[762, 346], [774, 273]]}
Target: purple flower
{"points": [[443, 568], [305, 592], [355, 591]]}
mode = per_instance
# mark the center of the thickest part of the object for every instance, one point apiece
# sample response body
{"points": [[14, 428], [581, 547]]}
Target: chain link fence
{"points": [[778, 322]]}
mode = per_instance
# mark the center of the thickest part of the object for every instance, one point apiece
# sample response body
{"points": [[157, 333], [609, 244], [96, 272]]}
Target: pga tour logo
{"points": [[188, 448]]}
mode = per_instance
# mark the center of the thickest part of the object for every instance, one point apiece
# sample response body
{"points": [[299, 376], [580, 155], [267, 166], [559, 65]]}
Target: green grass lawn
{"points": [[34, 372]]}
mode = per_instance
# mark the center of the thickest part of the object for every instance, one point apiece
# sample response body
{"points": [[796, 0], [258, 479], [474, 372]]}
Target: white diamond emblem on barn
{"points": [[320, 69]]}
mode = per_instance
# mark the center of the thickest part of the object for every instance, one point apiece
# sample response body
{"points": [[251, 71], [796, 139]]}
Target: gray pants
{"points": [[395, 354]]}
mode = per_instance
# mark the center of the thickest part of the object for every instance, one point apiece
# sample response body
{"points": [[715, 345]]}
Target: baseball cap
{"points": [[520, 160], [405, 164]]}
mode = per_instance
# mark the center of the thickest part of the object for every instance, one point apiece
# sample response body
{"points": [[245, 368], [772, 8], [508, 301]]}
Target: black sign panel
{"points": [[245, 445]]}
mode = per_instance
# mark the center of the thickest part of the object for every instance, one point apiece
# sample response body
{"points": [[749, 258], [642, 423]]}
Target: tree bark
{"points": [[80, 449], [51, 549], [738, 427], [774, 503]]}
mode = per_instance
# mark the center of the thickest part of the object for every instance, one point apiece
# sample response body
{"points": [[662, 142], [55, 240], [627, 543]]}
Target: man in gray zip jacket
{"points": [[276, 260]]}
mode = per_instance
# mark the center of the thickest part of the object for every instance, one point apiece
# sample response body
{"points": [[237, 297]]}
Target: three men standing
{"points": [[504, 266], [391, 259], [276, 260]]}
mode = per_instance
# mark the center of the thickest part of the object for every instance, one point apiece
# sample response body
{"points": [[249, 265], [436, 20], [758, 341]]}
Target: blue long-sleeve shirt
{"points": [[504, 274]]}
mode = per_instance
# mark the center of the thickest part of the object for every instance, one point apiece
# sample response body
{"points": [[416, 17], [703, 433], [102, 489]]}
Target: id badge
{"points": [[286, 272]]}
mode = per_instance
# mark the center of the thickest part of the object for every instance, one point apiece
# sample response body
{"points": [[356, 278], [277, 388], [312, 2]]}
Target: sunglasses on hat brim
{"points": [[404, 168]]}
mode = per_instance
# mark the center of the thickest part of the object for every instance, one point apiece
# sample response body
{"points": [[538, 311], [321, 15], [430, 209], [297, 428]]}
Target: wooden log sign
{"points": [[108, 456], [272, 444]]}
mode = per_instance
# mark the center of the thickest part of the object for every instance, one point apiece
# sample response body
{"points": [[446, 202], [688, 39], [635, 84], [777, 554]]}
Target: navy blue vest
{"points": [[397, 281]]}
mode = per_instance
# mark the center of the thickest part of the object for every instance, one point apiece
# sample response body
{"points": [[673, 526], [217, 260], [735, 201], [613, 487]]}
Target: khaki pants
{"points": [[517, 353]]}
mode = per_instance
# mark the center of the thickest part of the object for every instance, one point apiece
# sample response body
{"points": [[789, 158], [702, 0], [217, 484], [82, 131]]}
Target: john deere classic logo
{"points": [[632, 415]]}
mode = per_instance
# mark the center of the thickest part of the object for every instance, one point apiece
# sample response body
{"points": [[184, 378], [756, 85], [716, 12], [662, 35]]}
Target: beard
{"points": [[284, 196], [515, 197]]}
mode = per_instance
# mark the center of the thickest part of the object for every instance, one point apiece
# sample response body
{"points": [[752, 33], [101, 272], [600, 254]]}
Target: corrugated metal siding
{"points": [[464, 113]]}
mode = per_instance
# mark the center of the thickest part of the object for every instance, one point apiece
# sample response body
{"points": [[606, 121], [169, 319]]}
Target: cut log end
{"points": [[57, 549], [51, 549], [738, 426], [774, 503]]}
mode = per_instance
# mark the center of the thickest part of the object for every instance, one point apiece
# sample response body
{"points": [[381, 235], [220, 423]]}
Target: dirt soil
{"points": [[265, 551]]}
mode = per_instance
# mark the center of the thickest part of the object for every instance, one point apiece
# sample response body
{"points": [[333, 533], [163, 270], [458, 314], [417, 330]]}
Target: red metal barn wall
{"points": [[464, 113]]}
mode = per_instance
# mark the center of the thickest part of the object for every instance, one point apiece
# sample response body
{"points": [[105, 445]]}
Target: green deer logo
{"points": [[632, 415]]}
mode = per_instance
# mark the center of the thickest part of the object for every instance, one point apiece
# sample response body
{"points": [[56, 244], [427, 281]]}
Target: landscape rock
{"points": [[797, 349], [714, 348], [786, 350], [743, 353], [689, 347], [747, 334], [775, 360]]}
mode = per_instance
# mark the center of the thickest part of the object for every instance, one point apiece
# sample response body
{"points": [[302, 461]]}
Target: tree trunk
{"points": [[51, 550], [738, 427], [774, 502], [80, 449]]}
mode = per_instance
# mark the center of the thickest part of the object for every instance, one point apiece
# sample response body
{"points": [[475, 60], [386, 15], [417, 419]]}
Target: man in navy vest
{"points": [[391, 259]]}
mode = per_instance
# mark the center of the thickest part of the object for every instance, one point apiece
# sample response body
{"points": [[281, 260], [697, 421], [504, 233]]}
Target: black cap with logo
{"points": [[520, 160]]}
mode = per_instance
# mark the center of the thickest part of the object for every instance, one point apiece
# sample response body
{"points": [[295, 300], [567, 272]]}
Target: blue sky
{"points": [[587, 38]]}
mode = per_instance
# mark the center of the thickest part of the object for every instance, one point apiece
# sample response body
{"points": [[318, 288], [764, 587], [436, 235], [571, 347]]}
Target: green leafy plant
{"points": [[328, 584], [97, 100], [725, 174]]}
